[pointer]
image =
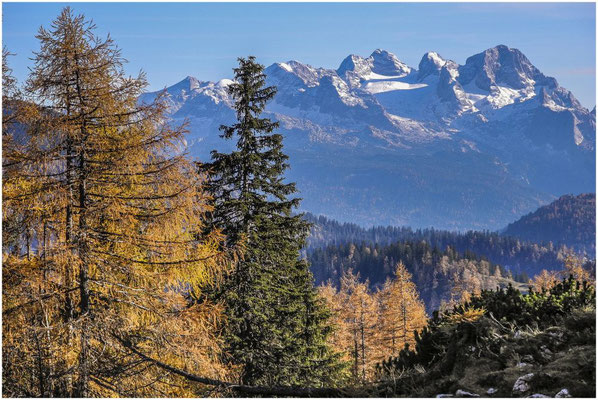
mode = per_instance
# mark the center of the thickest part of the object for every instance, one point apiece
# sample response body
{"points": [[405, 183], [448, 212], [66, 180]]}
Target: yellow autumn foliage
{"points": [[469, 315], [102, 221], [373, 326]]}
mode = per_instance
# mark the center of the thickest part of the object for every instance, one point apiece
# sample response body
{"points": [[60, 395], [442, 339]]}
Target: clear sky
{"points": [[172, 40]]}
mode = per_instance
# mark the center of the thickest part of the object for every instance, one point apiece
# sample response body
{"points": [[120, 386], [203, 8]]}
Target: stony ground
{"points": [[559, 361]]}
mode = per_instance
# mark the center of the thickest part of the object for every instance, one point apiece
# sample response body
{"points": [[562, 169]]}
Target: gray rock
{"points": [[386, 63], [528, 358], [500, 64], [558, 335], [492, 391], [545, 349], [522, 365], [546, 353], [444, 395], [517, 334], [463, 393], [563, 393], [537, 396], [522, 383], [430, 64]]}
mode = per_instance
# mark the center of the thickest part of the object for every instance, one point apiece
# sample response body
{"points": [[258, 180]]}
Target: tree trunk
{"points": [[362, 346], [83, 383], [356, 356], [68, 233]]}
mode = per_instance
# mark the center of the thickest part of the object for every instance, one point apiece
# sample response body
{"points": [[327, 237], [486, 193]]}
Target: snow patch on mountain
{"points": [[224, 82], [286, 66], [387, 86]]}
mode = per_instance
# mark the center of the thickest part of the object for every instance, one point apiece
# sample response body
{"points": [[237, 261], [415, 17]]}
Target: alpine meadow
{"points": [[371, 230]]}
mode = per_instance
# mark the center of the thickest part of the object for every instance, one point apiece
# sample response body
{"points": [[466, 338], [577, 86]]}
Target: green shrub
{"points": [[504, 309]]}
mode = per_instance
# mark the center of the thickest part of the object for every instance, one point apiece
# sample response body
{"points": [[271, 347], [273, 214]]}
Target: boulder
{"points": [[563, 393], [463, 393], [522, 383]]}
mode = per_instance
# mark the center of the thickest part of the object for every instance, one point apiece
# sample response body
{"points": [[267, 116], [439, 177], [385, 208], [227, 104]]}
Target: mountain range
{"points": [[375, 141]]}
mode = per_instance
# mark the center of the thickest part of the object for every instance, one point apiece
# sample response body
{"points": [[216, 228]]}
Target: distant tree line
{"points": [[440, 275], [514, 254]]}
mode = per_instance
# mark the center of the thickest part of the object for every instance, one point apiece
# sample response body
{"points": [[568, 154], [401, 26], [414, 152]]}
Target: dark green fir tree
{"points": [[277, 325]]}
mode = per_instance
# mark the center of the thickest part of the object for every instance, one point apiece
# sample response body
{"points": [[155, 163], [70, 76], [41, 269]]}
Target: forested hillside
{"points": [[440, 275], [570, 220], [515, 254]]}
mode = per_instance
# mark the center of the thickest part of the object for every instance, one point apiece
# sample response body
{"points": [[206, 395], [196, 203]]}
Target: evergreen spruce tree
{"points": [[277, 324]]}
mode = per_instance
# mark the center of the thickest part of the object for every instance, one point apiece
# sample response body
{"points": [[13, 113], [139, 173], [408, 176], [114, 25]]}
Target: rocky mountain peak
{"points": [[354, 63], [430, 64], [188, 84], [500, 66], [380, 62], [386, 63]]}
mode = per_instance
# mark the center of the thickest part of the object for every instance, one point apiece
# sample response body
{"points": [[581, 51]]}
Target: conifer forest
{"points": [[133, 269]]}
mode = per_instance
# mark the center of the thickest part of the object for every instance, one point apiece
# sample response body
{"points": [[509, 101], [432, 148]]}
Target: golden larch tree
{"points": [[106, 246], [360, 314], [545, 280], [573, 265], [402, 312]]}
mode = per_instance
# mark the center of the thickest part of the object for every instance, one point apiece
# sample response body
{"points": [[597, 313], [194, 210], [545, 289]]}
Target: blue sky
{"points": [[172, 40]]}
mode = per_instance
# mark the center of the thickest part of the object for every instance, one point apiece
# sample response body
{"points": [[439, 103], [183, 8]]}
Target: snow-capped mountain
{"points": [[446, 145]]}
